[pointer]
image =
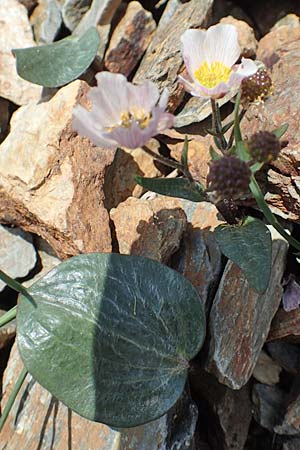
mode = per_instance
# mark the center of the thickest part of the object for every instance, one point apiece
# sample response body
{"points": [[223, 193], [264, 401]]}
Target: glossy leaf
{"points": [[173, 187], [250, 247], [111, 336], [279, 132], [59, 63]]}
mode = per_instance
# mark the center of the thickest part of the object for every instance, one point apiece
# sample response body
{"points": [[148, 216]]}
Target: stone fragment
{"points": [[101, 12], [285, 325], [199, 258], [268, 402], [46, 21], [130, 40], [246, 36], [266, 370], [223, 413], [29, 5], [17, 253], [285, 354], [15, 33], [7, 332], [291, 444], [163, 61], [283, 178], [37, 419], [52, 180], [73, 10], [240, 319], [121, 174], [291, 421], [151, 228], [4, 118]]}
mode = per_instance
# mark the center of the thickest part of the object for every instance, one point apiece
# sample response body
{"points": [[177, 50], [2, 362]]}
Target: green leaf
{"points": [[256, 167], [184, 154], [111, 336], [214, 154], [174, 187], [227, 126], [279, 132], [250, 247], [241, 151], [59, 63]]}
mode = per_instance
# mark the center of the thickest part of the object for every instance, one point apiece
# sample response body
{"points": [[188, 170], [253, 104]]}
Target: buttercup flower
{"points": [[122, 114], [209, 56]]}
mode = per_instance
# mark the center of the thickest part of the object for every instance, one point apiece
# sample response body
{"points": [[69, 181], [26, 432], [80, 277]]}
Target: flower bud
{"points": [[256, 88], [264, 146], [228, 177]]}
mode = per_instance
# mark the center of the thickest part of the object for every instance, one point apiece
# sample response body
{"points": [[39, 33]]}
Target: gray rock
{"points": [[17, 253], [240, 319], [268, 404], [285, 354], [73, 10], [46, 21], [7, 332]]}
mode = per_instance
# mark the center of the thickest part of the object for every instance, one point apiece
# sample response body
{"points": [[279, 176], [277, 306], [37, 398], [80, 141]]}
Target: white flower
{"points": [[123, 114], [209, 57]]}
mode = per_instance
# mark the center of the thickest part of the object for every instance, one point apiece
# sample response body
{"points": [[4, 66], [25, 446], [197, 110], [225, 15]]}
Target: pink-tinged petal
{"points": [[110, 96], [192, 49], [291, 296], [166, 121], [221, 44], [85, 126], [129, 137], [243, 70], [144, 96], [195, 89]]}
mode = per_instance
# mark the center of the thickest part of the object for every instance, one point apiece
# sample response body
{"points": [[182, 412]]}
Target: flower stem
{"points": [[12, 397], [217, 124], [169, 162], [15, 285], [258, 195], [8, 316]]}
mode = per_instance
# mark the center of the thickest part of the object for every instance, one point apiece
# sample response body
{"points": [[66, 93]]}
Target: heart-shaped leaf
{"points": [[59, 63], [173, 187], [250, 247], [111, 336]]}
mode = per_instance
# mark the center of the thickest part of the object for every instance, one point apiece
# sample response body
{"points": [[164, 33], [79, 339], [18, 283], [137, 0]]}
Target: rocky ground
{"points": [[61, 196]]}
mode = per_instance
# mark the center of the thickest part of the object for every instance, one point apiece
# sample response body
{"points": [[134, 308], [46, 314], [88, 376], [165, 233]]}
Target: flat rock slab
{"points": [[281, 53], [285, 326], [163, 61], [240, 320], [15, 33], [51, 179], [17, 253]]}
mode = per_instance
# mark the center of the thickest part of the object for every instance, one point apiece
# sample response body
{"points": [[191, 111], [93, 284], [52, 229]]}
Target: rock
{"points": [[37, 419], [285, 326], [15, 33], [199, 258], [130, 40], [73, 10], [121, 174], [101, 12], [291, 421], [46, 21], [52, 180], [266, 370], [17, 253], [285, 354], [7, 332], [246, 36], [224, 414], [240, 319], [150, 228], [268, 404], [29, 5], [282, 107], [4, 118], [291, 444], [162, 62]]}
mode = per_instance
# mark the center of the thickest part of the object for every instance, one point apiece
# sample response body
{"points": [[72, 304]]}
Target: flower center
{"points": [[136, 115], [210, 75]]}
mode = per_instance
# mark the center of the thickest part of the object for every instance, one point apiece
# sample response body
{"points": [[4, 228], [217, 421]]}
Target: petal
{"points": [[192, 49], [110, 96], [291, 296], [221, 44], [129, 137], [165, 121], [243, 70], [84, 124], [163, 101], [194, 89], [144, 96]]}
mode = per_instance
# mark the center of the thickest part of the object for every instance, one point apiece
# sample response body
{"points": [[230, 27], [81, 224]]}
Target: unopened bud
{"points": [[256, 88], [228, 178], [263, 146]]}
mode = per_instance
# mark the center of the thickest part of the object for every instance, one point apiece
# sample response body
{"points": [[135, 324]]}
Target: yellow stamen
{"points": [[210, 75], [136, 115]]}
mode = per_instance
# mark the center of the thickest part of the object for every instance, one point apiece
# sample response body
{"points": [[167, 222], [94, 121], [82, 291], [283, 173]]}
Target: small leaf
{"points": [[227, 127], [59, 63], [111, 336], [241, 151], [256, 167], [213, 154], [174, 187], [250, 247], [184, 154], [279, 132]]}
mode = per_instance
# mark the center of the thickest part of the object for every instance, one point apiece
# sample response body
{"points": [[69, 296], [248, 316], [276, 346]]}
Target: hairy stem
{"points": [[217, 124]]}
